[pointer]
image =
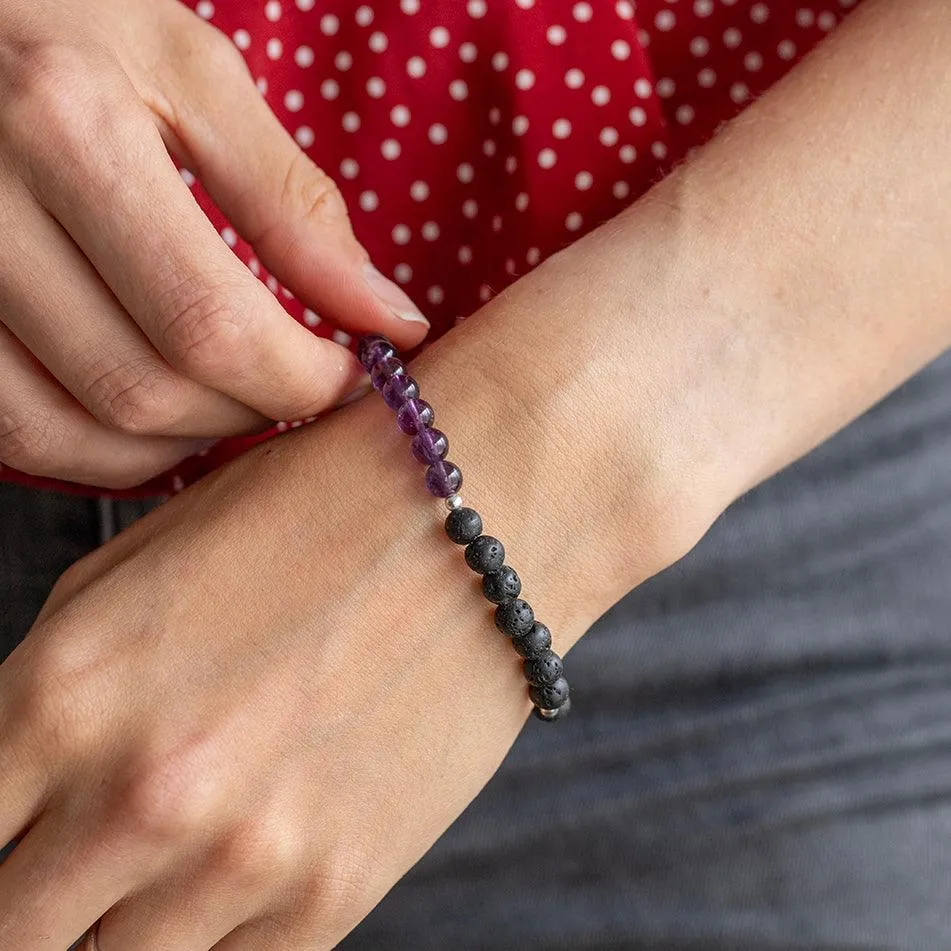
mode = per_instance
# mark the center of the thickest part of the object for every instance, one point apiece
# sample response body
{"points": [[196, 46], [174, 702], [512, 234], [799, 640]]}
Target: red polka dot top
{"points": [[474, 138]]}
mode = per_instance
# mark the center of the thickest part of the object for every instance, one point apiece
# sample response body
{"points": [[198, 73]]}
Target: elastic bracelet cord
{"points": [[543, 668]]}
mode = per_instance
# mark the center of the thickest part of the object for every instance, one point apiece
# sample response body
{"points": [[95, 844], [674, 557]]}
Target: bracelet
{"points": [[543, 668]]}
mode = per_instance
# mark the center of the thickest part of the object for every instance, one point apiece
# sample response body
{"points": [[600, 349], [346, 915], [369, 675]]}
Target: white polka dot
{"points": [[574, 221], [468, 52], [510, 266], [409, 7], [261, 83], [465, 254], [274, 48], [561, 128], [521, 201], [349, 168], [627, 154], [458, 90], [703, 8], [329, 24], [496, 222], [665, 20], [465, 173], [310, 318], [582, 12], [376, 87], [378, 42], [229, 237], [272, 10], [399, 116], [205, 9], [485, 292], [343, 61], [476, 9], [350, 122], [739, 92], [805, 17], [305, 5], [533, 256], [304, 56], [620, 190], [620, 49], [435, 294], [330, 89], [439, 37], [556, 35], [574, 78], [624, 9], [638, 116], [344, 339], [294, 100], [403, 273], [685, 114], [304, 136], [826, 21], [390, 149], [699, 46], [438, 133], [759, 13], [419, 191], [242, 39], [665, 87], [470, 208], [500, 61], [706, 77], [643, 88], [608, 136], [786, 49], [363, 16], [254, 267], [524, 79], [511, 164], [520, 125], [644, 38], [495, 115], [732, 38], [416, 66], [753, 61], [583, 181], [600, 95], [659, 150], [547, 158], [401, 234], [489, 147]]}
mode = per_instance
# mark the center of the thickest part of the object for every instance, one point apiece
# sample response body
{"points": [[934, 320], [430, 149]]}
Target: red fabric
{"points": [[473, 139]]}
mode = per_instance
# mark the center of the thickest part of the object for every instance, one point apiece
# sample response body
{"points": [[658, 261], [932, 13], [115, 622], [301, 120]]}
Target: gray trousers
{"points": [[760, 751]]}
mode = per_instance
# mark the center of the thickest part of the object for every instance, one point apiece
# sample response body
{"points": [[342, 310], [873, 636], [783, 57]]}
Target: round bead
{"points": [[414, 415], [514, 617], [398, 389], [537, 641], [550, 716], [429, 446], [443, 479], [502, 585], [550, 696], [485, 554], [454, 501], [464, 525], [544, 669], [383, 370], [373, 349]]}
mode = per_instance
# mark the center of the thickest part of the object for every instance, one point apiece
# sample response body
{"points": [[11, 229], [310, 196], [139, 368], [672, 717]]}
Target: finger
{"points": [[274, 195], [113, 188], [45, 432], [56, 304]]}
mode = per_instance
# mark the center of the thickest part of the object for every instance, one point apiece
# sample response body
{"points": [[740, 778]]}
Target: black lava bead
{"points": [[544, 669], [535, 642], [550, 696], [464, 525], [502, 585], [514, 617], [560, 712], [485, 554]]}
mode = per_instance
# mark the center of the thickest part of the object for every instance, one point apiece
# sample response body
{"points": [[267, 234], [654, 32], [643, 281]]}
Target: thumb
{"points": [[279, 201]]}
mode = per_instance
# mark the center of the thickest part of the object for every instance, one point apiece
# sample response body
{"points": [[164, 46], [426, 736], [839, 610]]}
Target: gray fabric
{"points": [[760, 751]]}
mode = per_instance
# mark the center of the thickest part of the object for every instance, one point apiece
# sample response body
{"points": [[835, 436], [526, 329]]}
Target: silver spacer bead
{"points": [[547, 714], [454, 502]]}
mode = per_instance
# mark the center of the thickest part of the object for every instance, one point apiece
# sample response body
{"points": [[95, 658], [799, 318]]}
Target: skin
{"points": [[129, 333], [237, 725]]}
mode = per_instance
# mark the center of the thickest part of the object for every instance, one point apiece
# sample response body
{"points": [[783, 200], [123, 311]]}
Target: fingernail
{"points": [[393, 296], [357, 392]]}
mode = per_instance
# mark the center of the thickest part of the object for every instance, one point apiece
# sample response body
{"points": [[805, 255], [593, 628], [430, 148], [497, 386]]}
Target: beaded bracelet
{"points": [[543, 668]]}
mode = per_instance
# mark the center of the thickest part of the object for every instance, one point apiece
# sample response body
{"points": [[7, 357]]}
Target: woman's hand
{"points": [[127, 327]]}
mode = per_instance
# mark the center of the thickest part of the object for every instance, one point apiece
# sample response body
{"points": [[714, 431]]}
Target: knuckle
{"points": [[309, 188], [139, 398], [28, 440], [203, 51], [343, 884], [258, 855], [205, 330]]}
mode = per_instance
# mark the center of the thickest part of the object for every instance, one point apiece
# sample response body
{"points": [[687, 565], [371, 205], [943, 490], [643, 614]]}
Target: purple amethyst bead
{"points": [[383, 370], [429, 446], [413, 416], [443, 479], [398, 389], [373, 349]]}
